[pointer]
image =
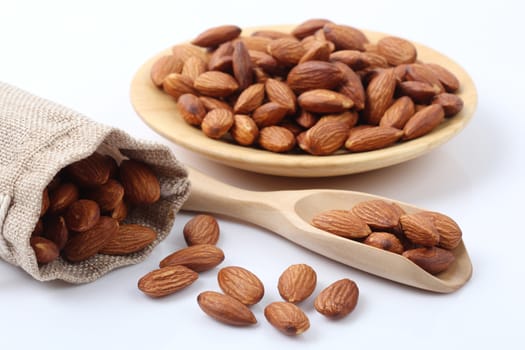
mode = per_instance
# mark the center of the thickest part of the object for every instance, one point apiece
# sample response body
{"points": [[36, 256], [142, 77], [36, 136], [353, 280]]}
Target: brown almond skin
{"points": [[84, 245], [215, 84], [373, 138], [263, 60], [255, 43], [306, 119], [211, 103], [276, 139], [297, 283], [221, 58], [309, 27], [449, 231], [91, 171], [434, 260], [244, 130], [199, 258], [130, 238], [269, 114], [201, 229], [419, 91], [379, 94], [342, 223], [287, 318], [242, 65], [424, 121], [314, 75], [345, 37], [217, 35], [185, 51], [378, 214], [447, 78], [120, 212], [193, 67], [397, 50], [82, 215], [167, 280], [164, 66], [386, 241], [452, 104], [419, 229], [324, 101], [191, 109], [45, 250], [422, 73], [55, 230], [141, 185], [241, 284], [287, 51], [250, 99], [398, 114], [217, 123], [328, 134], [338, 299], [352, 87], [176, 85], [108, 195], [62, 197], [279, 92], [225, 309]]}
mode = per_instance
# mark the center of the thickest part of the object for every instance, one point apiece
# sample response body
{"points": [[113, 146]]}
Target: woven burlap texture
{"points": [[37, 139]]}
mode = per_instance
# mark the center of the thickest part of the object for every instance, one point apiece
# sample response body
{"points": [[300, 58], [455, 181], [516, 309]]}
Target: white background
{"points": [[84, 54]]}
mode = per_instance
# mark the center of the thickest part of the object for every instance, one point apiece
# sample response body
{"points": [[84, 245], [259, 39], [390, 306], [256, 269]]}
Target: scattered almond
{"points": [[297, 283], [287, 318], [225, 309], [201, 229], [199, 258], [241, 284], [338, 299], [167, 280]]}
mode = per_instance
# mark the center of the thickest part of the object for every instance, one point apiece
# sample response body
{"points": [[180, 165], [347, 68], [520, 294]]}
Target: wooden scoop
{"points": [[288, 213]]}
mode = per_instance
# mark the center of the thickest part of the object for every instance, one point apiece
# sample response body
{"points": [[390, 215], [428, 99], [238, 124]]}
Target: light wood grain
{"points": [[288, 213], [158, 110]]}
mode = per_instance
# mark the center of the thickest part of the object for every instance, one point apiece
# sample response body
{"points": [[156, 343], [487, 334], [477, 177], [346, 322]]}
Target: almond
{"points": [[449, 231], [352, 87], [287, 51], [419, 229], [184, 51], [140, 183], [269, 114], [176, 85], [108, 195], [342, 223], [374, 60], [424, 121], [317, 51], [287, 318], [244, 130], [397, 50], [255, 43], [84, 245], [45, 250], [164, 66], [422, 73], [433, 260], [327, 136], [379, 93], [210, 103], [297, 283], [398, 113], [62, 197], [120, 212], [215, 84], [280, 93], [193, 67], [372, 138], [250, 99], [201, 229], [263, 60], [166, 280], [222, 58], [314, 75], [199, 258], [338, 299], [306, 119], [276, 139], [309, 27], [419, 91], [345, 37], [216, 35], [216, 123], [82, 215], [447, 78], [378, 214], [324, 101], [55, 230], [241, 284], [452, 104], [130, 238], [386, 241], [352, 58], [91, 171], [225, 309], [242, 65]]}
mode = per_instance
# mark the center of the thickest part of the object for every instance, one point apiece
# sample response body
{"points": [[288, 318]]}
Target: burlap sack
{"points": [[37, 139]]}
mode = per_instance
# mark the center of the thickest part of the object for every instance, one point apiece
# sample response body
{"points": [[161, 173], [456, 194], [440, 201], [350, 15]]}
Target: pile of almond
{"points": [[324, 88], [427, 238], [241, 288], [84, 206]]}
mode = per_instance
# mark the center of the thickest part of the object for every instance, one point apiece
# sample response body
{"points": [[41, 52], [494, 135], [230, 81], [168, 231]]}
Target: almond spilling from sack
{"points": [[426, 238], [84, 207], [223, 79]]}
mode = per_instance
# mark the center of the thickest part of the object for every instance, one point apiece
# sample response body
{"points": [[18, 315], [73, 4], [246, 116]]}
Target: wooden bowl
{"points": [[159, 111]]}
